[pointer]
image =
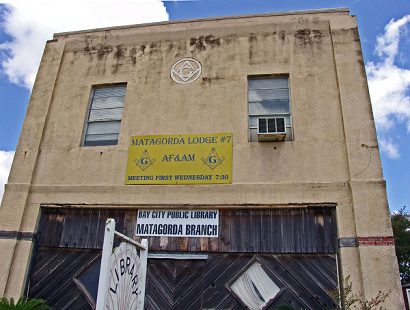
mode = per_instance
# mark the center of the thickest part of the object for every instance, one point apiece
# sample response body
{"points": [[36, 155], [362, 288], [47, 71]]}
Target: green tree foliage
{"points": [[401, 230], [355, 301], [23, 304]]}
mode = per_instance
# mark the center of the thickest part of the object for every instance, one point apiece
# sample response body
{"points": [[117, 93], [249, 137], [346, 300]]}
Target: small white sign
{"points": [[178, 223], [124, 280]]}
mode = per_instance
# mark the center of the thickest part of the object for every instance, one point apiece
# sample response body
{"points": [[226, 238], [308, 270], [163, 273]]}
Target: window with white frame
{"points": [[269, 109], [255, 288], [104, 118]]}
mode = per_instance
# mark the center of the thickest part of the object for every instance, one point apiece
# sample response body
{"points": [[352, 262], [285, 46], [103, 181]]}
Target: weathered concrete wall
{"points": [[333, 158]]}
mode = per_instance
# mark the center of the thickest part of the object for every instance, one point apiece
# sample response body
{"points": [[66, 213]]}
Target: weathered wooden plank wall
{"points": [[68, 279], [306, 281], [52, 277], [290, 230]]}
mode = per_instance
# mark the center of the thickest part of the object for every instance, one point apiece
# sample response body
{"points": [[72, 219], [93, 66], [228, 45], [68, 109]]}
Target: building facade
{"points": [[259, 127]]}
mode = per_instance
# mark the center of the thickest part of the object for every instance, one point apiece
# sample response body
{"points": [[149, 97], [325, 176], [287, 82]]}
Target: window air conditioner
{"points": [[271, 129]]}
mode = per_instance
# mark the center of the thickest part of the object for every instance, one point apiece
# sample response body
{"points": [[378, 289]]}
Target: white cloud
{"points": [[388, 43], [6, 159], [30, 23], [389, 84], [389, 147]]}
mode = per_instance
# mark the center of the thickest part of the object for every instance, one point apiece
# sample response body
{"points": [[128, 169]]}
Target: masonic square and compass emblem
{"points": [[186, 71]]}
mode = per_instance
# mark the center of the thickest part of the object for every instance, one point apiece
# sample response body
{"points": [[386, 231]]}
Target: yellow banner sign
{"points": [[180, 159]]}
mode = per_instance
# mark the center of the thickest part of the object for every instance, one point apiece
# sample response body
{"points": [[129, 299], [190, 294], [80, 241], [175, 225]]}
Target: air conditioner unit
{"points": [[271, 129]]}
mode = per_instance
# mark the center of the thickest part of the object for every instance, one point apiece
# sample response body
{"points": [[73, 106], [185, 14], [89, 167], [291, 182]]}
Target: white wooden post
{"points": [[144, 265], [105, 263]]}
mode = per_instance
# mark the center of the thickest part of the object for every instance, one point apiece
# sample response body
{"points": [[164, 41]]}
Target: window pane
{"points": [[109, 91], [253, 121], [268, 107], [280, 123], [104, 120], [105, 114], [108, 102], [97, 137], [103, 127], [262, 125], [254, 287], [100, 142], [268, 94], [90, 278], [269, 83], [271, 125]]}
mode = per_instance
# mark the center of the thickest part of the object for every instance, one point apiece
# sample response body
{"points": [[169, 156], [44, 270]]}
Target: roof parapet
{"points": [[298, 12]]}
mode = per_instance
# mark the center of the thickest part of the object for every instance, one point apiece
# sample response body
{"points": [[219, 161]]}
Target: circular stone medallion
{"points": [[186, 71]]}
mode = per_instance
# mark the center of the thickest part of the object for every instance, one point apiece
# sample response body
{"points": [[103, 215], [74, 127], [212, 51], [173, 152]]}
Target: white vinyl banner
{"points": [[178, 223]]}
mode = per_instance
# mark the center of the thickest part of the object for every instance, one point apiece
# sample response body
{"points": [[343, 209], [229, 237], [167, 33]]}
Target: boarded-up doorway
{"points": [[303, 281], [294, 249]]}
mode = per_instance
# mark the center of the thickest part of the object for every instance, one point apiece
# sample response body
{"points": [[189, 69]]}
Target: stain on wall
{"points": [[306, 37], [201, 43]]}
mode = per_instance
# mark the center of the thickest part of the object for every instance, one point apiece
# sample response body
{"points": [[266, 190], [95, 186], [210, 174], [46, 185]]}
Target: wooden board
{"points": [[67, 278], [291, 230], [55, 275], [306, 281]]}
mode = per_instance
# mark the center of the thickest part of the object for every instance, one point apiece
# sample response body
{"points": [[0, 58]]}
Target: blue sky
{"points": [[384, 27]]}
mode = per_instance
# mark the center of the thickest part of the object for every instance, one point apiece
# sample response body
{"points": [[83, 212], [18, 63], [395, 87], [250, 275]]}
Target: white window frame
{"points": [[254, 116], [100, 120]]}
